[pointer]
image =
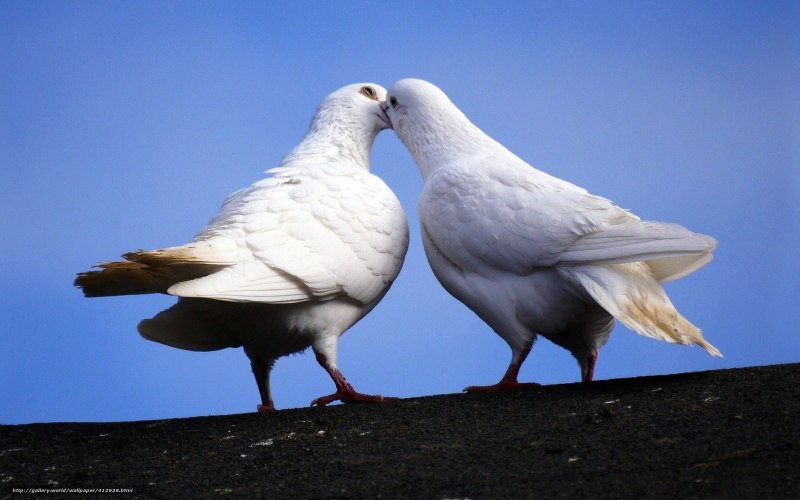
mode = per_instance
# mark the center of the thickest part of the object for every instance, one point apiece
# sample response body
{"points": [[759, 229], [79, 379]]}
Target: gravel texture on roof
{"points": [[721, 434]]}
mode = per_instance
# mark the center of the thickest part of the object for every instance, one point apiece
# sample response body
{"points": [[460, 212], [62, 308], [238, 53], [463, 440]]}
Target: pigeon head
{"points": [[360, 102], [433, 129], [413, 103], [344, 126]]}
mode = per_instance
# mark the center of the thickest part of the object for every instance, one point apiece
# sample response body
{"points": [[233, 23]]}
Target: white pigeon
{"points": [[290, 262], [533, 254]]}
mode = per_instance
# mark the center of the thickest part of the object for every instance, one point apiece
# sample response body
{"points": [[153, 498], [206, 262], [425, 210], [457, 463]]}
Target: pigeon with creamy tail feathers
{"points": [[532, 254]]}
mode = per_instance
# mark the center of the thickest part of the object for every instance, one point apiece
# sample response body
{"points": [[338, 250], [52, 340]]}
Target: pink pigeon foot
{"points": [[503, 385], [344, 391], [351, 396], [266, 408], [509, 380]]}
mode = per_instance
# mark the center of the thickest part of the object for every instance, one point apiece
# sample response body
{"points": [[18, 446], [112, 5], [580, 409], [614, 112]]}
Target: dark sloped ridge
{"points": [[722, 434]]}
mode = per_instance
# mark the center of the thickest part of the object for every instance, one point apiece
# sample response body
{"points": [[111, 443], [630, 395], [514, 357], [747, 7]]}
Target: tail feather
{"points": [[207, 253], [190, 324], [154, 271], [670, 250], [133, 278], [630, 293], [671, 269]]}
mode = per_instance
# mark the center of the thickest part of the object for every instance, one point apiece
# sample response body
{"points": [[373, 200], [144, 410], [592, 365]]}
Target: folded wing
{"points": [[307, 237], [518, 219], [670, 250]]}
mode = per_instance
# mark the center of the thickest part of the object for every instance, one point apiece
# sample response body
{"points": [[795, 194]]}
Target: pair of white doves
{"points": [[299, 257]]}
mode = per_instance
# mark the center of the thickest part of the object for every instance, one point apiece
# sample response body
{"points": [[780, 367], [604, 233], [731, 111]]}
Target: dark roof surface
{"points": [[721, 434]]}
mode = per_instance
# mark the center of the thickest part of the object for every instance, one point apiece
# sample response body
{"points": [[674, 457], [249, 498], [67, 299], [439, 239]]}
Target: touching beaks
{"points": [[384, 107]]}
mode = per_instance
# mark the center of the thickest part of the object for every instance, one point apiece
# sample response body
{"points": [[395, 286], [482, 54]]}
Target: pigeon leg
{"points": [[588, 373], [344, 391], [261, 371], [509, 380]]}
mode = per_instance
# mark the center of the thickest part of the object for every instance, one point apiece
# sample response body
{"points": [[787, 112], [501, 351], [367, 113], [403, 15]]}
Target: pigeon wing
{"points": [[304, 235], [508, 220], [670, 250], [516, 218]]}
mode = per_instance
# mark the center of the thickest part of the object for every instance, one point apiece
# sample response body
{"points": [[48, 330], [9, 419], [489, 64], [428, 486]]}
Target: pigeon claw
{"points": [[351, 396], [503, 385], [266, 408], [344, 391], [509, 380]]}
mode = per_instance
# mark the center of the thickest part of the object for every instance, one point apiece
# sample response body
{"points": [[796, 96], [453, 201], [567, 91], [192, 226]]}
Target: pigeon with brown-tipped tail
{"points": [[288, 263]]}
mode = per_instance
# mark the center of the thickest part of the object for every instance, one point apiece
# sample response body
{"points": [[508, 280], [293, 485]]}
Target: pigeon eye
{"points": [[369, 92], [393, 101]]}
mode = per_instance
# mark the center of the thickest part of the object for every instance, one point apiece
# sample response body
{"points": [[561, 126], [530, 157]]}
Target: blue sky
{"points": [[125, 125]]}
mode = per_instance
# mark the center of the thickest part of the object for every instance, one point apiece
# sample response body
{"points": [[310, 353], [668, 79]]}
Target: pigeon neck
{"points": [[441, 142], [334, 138]]}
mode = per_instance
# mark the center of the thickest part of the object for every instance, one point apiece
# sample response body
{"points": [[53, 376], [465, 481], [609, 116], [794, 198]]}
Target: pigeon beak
{"points": [[384, 107]]}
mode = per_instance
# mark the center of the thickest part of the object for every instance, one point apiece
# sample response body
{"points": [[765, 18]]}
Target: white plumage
{"points": [[290, 262], [533, 254]]}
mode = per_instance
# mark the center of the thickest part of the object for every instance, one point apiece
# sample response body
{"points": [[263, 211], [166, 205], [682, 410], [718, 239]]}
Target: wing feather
{"points": [[516, 218], [307, 234]]}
